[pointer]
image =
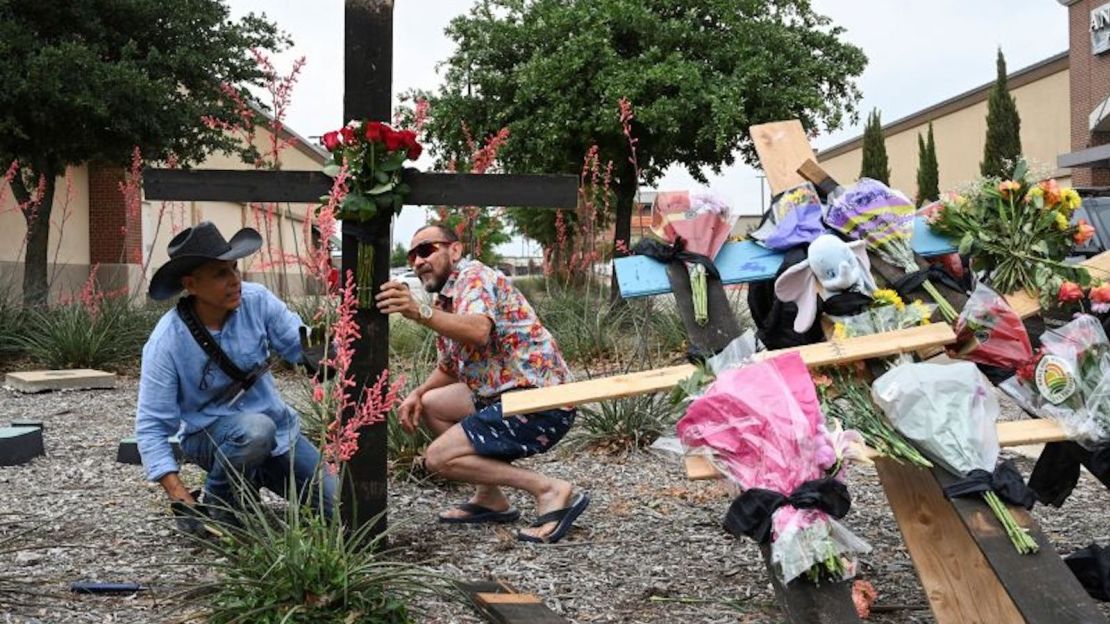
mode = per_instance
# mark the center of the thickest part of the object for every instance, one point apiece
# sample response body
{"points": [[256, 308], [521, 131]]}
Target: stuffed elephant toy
{"points": [[838, 266]]}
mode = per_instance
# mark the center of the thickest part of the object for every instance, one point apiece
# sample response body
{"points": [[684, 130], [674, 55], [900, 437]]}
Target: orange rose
{"points": [[1083, 232], [1101, 293], [1069, 292], [1007, 187], [1051, 192]]}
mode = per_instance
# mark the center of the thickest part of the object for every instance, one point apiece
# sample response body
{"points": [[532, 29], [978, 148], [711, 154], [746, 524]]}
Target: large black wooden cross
{"points": [[368, 33]]}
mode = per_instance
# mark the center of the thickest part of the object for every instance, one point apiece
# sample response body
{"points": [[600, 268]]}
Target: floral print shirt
{"points": [[521, 352]]}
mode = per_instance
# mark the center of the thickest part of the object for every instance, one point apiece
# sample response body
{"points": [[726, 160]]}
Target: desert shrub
{"points": [[11, 324], [623, 425], [108, 335], [299, 566], [580, 317], [411, 344]]}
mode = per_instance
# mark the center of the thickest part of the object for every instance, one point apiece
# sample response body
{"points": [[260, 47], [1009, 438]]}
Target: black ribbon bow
{"points": [[1005, 481], [668, 254], [913, 280], [750, 513], [847, 303]]}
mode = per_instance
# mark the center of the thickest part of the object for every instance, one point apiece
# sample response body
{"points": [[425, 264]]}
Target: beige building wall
{"points": [[68, 246], [1041, 92], [281, 225]]}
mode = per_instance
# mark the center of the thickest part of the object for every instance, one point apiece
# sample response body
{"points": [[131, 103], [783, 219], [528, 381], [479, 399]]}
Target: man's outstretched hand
{"points": [[395, 297]]}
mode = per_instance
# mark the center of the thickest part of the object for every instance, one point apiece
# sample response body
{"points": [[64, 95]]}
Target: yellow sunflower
{"points": [[886, 296]]}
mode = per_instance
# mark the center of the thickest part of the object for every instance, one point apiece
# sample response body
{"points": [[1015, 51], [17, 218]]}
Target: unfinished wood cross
{"points": [[368, 62]]}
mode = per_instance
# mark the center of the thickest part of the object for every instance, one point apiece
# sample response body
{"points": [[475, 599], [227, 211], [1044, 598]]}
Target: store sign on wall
{"points": [[1100, 29]]}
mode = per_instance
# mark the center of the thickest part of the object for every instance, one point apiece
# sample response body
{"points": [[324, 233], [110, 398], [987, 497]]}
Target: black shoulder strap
{"points": [[207, 343]]}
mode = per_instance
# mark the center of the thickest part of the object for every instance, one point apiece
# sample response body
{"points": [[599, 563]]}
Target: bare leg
{"points": [[443, 408], [452, 456]]}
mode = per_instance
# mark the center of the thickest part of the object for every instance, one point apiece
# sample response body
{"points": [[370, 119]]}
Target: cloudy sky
{"points": [[920, 52]]}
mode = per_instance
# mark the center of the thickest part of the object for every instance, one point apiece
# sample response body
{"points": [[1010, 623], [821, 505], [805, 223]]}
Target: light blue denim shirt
{"points": [[178, 378]]}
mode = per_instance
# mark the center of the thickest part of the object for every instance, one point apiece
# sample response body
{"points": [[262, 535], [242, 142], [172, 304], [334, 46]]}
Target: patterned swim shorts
{"points": [[515, 437]]}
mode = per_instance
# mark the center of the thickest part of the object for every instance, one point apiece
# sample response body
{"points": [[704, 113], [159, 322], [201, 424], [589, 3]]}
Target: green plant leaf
{"points": [[331, 170], [357, 206], [966, 244], [381, 189]]}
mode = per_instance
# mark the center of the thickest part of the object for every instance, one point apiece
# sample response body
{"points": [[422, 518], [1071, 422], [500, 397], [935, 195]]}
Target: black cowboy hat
{"points": [[193, 247]]}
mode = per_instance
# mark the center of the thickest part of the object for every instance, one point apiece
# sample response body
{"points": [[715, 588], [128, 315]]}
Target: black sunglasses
{"points": [[423, 250]]}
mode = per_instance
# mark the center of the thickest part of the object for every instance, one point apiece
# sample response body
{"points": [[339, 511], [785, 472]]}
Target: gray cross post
{"points": [[368, 32]]}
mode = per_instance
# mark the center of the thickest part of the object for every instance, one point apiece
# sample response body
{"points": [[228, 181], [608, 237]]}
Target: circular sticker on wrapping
{"points": [[1055, 379]]}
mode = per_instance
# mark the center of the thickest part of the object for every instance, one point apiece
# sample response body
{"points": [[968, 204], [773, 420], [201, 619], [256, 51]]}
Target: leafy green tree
{"points": [[1003, 146], [399, 257], [88, 80], [479, 230], [697, 73], [928, 171], [875, 164]]}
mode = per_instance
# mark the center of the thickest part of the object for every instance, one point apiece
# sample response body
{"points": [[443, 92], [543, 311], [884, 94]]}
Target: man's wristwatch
{"points": [[426, 312]]}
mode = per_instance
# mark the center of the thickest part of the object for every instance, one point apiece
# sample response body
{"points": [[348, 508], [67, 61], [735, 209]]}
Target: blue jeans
{"points": [[242, 444]]}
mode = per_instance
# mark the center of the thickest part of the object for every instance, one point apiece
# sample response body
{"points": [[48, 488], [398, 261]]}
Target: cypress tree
{"points": [[875, 164], [928, 172], [1003, 146]]}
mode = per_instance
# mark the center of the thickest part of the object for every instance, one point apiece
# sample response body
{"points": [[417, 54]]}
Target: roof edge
{"points": [[307, 147], [1026, 75]]}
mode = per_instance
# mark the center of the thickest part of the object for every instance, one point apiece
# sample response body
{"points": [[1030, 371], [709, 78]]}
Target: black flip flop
{"points": [[565, 517], [481, 515]]}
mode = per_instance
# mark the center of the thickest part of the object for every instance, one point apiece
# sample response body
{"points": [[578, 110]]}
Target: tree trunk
{"points": [[36, 212], [627, 185]]}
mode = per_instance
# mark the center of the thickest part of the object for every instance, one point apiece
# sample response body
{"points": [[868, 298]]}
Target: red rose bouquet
{"points": [[374, 153], [988, 331]]}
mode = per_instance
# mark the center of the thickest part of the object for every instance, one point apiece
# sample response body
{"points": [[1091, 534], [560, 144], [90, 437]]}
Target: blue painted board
{"points": [[927, 243], [745, 261]]}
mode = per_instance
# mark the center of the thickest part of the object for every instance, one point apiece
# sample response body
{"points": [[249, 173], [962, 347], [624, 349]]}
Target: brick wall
{"points": [[115, 233], [1090, 85]]}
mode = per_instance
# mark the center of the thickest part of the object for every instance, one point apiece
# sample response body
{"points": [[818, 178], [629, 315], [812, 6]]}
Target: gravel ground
{"points": [[648, 549]]}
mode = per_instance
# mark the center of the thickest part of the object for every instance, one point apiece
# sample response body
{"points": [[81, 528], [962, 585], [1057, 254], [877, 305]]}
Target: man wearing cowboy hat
{"points": [[236, 428]]}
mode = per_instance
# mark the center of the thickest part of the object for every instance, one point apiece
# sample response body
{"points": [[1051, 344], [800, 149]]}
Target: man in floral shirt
{"points": [[489, 342]]}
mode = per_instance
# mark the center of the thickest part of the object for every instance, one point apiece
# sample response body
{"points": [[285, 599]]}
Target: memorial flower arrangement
{"points": [[990, 332], [695, 226], [1017, 231], [887, 313], [949, 412], [1068, 380], [366, 161], [375, 154], [763, 423], [1095, 300], [873, 212], [847, 399]]}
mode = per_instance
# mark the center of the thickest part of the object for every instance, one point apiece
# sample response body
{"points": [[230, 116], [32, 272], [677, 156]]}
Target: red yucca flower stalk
{"points": [[281, 94], [318, 259], [341, 439], [482, 160], [132, 191], [626, 124]]}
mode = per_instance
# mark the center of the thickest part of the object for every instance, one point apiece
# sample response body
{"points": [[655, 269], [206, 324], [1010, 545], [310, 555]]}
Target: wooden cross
{"points": [[368, 34]]}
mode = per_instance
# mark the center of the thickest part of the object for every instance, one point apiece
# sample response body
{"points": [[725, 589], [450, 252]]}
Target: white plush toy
{"points": [[836, 265]]}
